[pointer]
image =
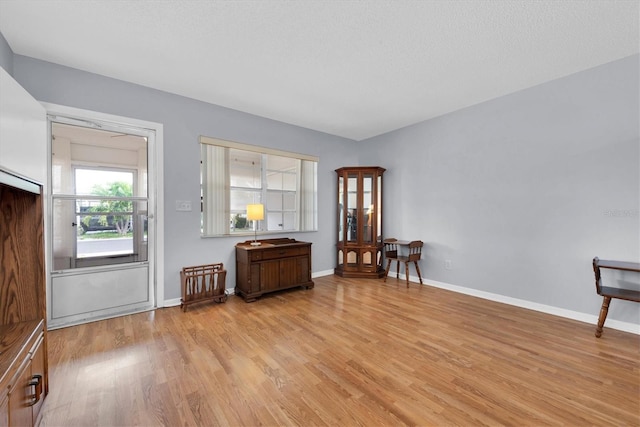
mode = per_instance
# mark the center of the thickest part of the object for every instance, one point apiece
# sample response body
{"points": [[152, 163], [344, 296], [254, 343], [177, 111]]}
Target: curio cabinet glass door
{"points": [[359, 247]]}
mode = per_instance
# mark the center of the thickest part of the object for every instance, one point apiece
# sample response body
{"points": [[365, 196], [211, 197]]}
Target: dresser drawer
{"points": [[277, 253]]}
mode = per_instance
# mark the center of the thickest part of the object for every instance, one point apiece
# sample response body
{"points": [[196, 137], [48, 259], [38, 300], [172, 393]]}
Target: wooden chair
{"points": [[391, 254], [608, 292], [415, 253]]}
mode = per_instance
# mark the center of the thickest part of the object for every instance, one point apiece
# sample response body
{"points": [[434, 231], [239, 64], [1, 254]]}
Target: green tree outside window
{"points": [[109, 209]]}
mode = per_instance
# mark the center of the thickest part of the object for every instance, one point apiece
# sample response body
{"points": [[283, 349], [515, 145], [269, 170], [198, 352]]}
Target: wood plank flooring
{"points": [[349, 352]]}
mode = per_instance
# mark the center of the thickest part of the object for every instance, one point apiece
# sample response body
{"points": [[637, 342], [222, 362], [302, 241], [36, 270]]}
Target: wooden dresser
{"points": [[23, 335], [274, 265]]}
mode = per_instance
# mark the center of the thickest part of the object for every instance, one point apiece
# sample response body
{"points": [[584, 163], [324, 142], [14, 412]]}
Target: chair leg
{"points": [[418, 271], [397, 269], [386, 271], [603, 316], [406, 272]]}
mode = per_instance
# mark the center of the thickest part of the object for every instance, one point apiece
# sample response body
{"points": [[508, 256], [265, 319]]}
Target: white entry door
{"points": [[102, 230]]}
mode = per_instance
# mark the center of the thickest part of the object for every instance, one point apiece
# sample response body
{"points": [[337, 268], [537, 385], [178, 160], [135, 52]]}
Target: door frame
{"points": [[156, 187]]}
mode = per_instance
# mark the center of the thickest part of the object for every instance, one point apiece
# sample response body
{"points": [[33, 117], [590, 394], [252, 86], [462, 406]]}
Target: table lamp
{"points": [[255, 213]]}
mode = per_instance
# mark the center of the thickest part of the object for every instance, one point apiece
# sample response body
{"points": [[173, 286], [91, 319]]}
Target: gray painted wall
{"points": [[184, 121], [521, 192], [6, 56]]}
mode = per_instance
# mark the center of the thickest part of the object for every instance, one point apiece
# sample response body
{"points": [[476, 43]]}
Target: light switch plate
{"points": [[183, 205]]}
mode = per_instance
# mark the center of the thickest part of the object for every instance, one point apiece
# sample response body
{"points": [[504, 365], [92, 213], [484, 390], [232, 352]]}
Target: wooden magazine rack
{"points": [[202, 283]]}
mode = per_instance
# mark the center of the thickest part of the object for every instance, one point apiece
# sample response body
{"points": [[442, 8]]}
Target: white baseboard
{"points": [[176, 301], [172, 302], [321, 273]]}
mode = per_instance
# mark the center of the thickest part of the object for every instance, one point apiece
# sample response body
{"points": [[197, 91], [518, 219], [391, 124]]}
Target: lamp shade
{"points": [[255, 212]]}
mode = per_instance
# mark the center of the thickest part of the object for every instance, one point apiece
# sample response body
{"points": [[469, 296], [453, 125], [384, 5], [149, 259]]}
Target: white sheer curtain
{"points": [[215, 189], [63, 210], [308, 189]]}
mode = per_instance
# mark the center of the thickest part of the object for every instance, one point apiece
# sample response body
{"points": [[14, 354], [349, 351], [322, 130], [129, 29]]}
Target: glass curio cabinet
{"points": [[359, 248]]}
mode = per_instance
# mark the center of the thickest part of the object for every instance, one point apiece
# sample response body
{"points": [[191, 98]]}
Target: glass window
{"points": [[101, 222], [234, 175], [99, 189]]}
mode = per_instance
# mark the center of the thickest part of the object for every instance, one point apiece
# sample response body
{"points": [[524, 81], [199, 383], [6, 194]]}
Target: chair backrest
{"points": [[415, 250], [390, 248]]}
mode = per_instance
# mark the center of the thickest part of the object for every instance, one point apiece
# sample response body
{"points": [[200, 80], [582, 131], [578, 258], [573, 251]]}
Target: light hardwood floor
{"points": [[348, 352]]}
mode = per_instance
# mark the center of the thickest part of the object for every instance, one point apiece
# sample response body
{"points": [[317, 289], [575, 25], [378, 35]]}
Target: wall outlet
{"points": [[183, 205], [448, 265]]}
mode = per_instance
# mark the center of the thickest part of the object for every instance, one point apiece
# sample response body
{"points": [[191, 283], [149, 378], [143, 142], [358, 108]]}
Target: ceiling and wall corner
{"points": [[354, 69], [6, 55]]}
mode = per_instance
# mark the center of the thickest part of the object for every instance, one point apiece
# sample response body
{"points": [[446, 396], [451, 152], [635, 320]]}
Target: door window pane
{"points": [[103, 182], [75, 147], [115, 234]]}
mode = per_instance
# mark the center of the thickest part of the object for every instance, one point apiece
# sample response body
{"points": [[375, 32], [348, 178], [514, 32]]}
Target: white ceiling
{"points": [[350, 68]]}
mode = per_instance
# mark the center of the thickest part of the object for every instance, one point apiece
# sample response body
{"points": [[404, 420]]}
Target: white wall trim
{"points": [[89, 115], [176, 301], [172, 302], [322, 273]]}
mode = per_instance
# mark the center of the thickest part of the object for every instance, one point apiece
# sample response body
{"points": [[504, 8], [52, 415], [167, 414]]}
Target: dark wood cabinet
{"points": [[4, 409], [25, 390], [23, 335], [359, 241], [20, 412], [273, 265]]}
